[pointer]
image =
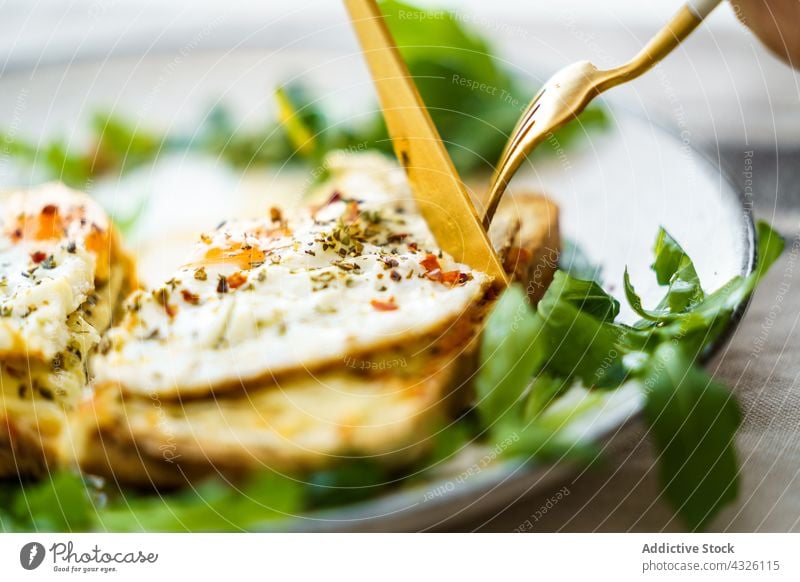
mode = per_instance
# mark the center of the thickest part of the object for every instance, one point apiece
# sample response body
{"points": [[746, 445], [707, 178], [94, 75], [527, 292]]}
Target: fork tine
{"points": [[527, 115], [511, 158], [523, 120], [504, 172]]}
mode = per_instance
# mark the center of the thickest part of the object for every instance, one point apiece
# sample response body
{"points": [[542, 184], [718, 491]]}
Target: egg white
{"points": [[312, 302]]}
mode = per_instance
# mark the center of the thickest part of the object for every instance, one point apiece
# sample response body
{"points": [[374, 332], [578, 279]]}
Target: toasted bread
{"points": [[63, 273]]}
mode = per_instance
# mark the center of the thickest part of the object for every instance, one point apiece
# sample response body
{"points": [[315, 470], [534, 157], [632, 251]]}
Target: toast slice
{"points": [[62, 272], [386, 403]]}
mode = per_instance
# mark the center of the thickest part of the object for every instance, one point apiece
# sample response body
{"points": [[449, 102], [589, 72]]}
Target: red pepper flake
{"points": [[190, 297], [433, 271], [236, 280], [38, 257], [47, 225], [454, 278], [384, 305], [430, 263], [351, 213]]}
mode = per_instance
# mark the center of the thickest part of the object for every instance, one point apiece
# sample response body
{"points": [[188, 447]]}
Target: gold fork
{"points": [[571, 89]]}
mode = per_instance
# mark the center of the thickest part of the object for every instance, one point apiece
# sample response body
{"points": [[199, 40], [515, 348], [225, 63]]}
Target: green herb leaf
{"points": [[509, 355], [473, 101], [543, 392], [693, 421], [673, 267], [578, 345], [212, 506], [60, 502], [587, 296], [120, 146], [658, 315], [770, 247]]}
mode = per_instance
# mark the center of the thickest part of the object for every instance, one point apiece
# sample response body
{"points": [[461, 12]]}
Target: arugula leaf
{"points": [[587, 296], [241, 148], [693, 421], [512, 404], [473, 101], [577, 343], [706, 319], [535, 441], [635, 301], [59, 163], [551, 409], [544, 390], [509, 356], [61, 502], [67, 502], [673, 267], [211, 506], [770, 247], [349, 482]]}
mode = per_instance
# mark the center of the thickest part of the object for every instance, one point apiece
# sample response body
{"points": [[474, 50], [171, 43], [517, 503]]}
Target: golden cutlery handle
{"points": [[664, 42]]}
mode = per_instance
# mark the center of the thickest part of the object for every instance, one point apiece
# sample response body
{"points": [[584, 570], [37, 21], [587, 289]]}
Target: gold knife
{"points": [[438, 190]]}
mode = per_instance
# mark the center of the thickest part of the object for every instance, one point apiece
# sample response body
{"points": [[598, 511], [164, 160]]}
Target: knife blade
{"points": [[438, 190]]}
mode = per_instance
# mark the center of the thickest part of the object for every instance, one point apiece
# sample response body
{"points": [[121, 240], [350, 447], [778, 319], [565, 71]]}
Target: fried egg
{"points": [[298, 289], [385, 406]]}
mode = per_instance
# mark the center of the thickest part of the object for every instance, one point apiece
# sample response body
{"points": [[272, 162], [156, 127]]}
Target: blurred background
{"points": [[727, 83], [722, 89]]}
